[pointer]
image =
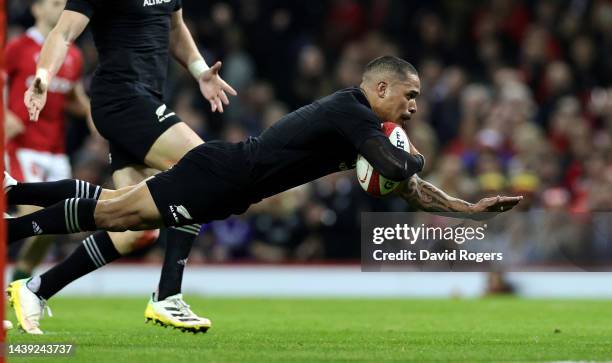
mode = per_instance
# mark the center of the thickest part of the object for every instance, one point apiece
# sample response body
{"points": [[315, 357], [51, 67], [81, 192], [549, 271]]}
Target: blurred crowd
{"points": [[516, 98]]}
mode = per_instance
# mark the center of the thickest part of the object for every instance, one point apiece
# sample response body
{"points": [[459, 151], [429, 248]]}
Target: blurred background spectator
{"points": [[516, 98]]}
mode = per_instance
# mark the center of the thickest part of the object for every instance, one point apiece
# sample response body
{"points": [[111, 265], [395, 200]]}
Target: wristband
{"points": [[197, 68], [421, 161]]}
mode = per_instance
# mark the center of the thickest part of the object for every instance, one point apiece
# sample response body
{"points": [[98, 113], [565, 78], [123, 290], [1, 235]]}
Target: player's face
{"points": [[399, 103], [49, 11]]}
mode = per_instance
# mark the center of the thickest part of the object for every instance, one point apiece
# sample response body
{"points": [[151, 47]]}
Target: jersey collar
{"points": [[361, 96], [35, 35]]}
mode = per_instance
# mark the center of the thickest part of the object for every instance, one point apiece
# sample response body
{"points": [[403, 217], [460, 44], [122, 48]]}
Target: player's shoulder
{"points": [[350, 94], [347, 101]]}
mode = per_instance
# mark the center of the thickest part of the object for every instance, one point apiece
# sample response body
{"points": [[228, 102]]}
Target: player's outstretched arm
{"points": [[426, 196], [185, 51], [70, 25]]}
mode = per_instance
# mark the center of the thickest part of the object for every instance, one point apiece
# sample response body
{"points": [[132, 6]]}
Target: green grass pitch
{"points": [[313, 330]]}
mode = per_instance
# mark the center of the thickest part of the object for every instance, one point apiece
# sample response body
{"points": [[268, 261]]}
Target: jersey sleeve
{"points": [[179, 5], [85, 7], [391, 162]]}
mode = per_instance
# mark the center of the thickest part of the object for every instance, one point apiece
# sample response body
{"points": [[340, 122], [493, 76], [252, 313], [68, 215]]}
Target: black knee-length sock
{"points": [[69, 216], [94, 252], [179, 241], [48, 193]]}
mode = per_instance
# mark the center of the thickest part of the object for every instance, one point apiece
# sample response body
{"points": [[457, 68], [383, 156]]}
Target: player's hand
{"points": [[488, 207], [35, 97], [215, 89]]}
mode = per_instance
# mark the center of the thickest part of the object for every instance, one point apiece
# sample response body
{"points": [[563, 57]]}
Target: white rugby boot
{"points": [[174, 312], [28, 307]]}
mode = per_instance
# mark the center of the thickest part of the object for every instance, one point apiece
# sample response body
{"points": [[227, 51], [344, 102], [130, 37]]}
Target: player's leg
{"points": [[171, 146], [98, 249], [102, 248], [73, 215], [154, 135], [134, 210], [51, 168], [92, 253], [45, 194], [33, 250], [128, 241], [31, 166], [166, 151]]}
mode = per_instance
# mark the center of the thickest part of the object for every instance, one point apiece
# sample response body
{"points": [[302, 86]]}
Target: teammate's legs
{"points": [[170, 147], [165, 152], [148, 132]]}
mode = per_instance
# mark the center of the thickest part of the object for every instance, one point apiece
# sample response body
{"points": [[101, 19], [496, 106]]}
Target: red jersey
{"points": [[21, 56]]}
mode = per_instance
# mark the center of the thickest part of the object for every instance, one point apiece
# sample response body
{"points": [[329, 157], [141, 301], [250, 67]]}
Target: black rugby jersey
{"points": [[132, 38], [316, 140]]}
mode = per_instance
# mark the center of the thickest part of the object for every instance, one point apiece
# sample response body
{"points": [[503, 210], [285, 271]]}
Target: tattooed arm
{"points": [[425, 196]]}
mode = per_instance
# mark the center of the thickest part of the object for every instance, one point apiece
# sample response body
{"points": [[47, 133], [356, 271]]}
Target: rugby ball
{"points": [[370, 180]]}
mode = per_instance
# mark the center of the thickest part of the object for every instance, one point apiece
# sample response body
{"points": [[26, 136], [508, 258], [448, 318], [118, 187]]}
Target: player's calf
{"points": [[45, 194], [68, 216]]}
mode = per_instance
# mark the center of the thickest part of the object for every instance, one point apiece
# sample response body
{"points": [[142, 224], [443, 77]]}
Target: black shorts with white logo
{"points": [[209, 183], [131, 125]]}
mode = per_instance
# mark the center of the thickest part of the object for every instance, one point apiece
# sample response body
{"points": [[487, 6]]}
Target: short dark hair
{"points": [[392, 64]]}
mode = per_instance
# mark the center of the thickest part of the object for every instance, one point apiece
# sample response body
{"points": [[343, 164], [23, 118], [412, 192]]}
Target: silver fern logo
{"points": [[161, 113], [36, 228]]}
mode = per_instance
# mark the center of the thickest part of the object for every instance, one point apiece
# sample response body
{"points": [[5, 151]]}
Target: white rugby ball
{"points": [[370, 180]]}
